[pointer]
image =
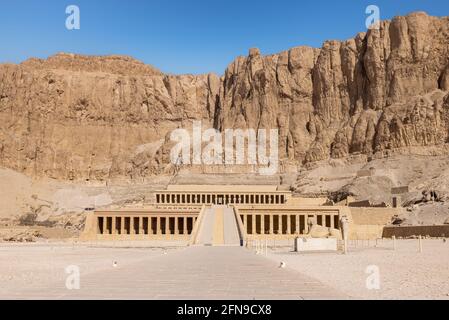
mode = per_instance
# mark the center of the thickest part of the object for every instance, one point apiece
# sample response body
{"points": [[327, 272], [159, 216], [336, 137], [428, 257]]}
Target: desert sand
{"points": [[404, 273], [41, 266], [38, 269]]}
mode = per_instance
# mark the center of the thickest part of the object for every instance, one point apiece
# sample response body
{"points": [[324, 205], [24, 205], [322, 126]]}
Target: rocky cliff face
{"points": [[76, 117]]}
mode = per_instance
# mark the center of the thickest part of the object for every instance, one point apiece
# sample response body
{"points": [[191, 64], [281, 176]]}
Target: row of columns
{"points": [[118, 225], [294, 224], [214, 198]]}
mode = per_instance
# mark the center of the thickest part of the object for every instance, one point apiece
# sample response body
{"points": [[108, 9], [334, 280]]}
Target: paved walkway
{"points": [[193, 273]]}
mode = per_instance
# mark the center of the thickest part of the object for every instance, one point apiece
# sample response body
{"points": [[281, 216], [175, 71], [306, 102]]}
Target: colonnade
{"points": [[146, 225], [286, 223], [220, 198]]}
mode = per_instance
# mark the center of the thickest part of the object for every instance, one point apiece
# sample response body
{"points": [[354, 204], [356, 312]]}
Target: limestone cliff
{"points": [[77, 117]]}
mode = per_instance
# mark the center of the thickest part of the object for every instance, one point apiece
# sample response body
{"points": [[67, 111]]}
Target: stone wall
{"points": [[409, 231]]}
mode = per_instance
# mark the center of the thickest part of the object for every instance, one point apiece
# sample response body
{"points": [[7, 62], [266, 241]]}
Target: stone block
{"points": [[315, 244]]}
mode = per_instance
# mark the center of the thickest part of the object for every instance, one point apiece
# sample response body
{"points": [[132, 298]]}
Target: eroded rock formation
{"points": [[77, 117]]}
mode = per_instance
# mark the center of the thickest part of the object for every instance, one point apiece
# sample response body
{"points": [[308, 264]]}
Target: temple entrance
{"points": [[220, 200]]}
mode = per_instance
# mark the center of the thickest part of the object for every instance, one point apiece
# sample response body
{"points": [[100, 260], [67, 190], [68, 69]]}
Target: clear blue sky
{"points": [[187, 36]]}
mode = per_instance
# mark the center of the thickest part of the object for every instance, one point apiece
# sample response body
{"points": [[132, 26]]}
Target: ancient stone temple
{"points": [[190, 212]]}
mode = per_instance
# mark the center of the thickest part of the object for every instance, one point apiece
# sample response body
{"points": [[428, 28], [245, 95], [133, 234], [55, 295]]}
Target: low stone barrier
{"points": [[410, 231], [315, 244]]}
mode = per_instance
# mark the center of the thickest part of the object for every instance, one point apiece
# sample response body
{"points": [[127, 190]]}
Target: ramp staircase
{"points": [[218, 228]]}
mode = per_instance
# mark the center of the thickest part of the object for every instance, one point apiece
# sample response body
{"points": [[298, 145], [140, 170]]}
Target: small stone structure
{"points": [[315, 244]]}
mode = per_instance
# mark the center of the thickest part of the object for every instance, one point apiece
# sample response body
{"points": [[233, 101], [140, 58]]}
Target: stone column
{"points": [[297, 224], [114, 225], [262, 224], [176, 232], [306, 224], [105, 225], [167, 225], [158, 225], [281, 224], [332, 221], [141, 225], [253, 224], [122, 225], [131, 225], [185, 232], [271, 223], [289, 224]]}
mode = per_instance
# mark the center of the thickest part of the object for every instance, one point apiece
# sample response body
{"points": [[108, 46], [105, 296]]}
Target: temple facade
{"points": [[180, 212], [221, 195]]}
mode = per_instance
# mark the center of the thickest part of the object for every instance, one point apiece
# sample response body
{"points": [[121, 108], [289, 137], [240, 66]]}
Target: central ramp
{"points": [[219, 228]]}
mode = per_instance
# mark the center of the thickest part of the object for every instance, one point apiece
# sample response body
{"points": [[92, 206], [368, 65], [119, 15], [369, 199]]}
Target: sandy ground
{"points": [[25, 267], [404, 273]]}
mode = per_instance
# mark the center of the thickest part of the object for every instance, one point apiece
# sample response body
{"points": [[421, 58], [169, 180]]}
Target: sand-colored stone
{"points": [[75, 117], [318, 231]]}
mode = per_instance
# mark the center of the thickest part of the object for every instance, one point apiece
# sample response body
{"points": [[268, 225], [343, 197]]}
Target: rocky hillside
{"points": [[73, 117]]}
